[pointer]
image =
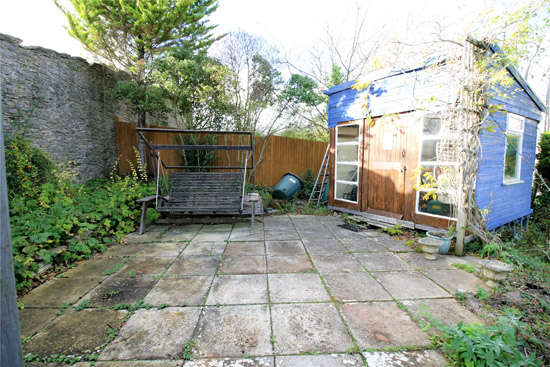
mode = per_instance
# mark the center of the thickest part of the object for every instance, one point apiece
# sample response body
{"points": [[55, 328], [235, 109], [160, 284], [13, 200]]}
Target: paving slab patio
{"points": [[299, 291]]}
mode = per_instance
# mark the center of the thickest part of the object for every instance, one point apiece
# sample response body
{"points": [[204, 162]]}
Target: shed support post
{"points": [[460, 231]]}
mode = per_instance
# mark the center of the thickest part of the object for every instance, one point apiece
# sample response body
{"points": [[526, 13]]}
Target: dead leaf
{"points": [[382, 337]]}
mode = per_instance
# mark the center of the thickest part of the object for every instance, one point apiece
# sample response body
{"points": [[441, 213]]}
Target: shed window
{"points": [[512, 155], [347, 162], [438, 177]]}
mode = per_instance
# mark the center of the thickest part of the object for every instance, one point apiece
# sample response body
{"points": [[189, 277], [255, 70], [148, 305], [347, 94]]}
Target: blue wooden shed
{"points": [[372, 159]]}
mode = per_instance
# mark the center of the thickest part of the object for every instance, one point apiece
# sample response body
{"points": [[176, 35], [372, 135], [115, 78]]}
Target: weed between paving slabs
{"points": [[300, 291]]}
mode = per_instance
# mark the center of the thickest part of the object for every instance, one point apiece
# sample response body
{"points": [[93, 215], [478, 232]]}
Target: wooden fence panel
{"points": [[281, 155]]}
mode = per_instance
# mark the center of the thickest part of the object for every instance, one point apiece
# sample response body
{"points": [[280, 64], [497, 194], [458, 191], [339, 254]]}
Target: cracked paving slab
{"points": [[309, 328], [75, 333], [238, 289], [382, 325], [141, 336], [233, 331]]}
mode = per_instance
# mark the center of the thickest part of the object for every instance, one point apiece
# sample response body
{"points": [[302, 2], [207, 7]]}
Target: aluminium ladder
{"points": [[321, 181]]}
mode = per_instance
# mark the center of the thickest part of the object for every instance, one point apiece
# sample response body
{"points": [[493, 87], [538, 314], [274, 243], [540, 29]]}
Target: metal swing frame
{"points": [[204, 192]]}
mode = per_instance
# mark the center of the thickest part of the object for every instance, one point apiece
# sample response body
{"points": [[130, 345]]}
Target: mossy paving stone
{"points": [[231, 331], [382, 325], [330, 245], [32, 320], [93, 268], [410, 285], [185, 290], [231, 362], [154, 334], [244, 233], [204, 249], [392, 244], [331, 360], [285, 247], [336, 263], [355, 287], [163, 249], [309, 328], [243, 265], [363, 245], [419, 358], [114, 291], [55, 292], [75, 333], [180, 234], [289, 234], [145, 266], [123, 249], [194, 265], [446, 311], [238, 289], [315, 232], [289, 264], [297, 288], [456, 279], [246, 248], [146, 237], [418, 261], [382, 261], [207, 236]]}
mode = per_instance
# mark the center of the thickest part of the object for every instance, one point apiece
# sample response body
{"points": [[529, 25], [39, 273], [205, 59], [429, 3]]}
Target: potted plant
{"points": [[444, 237]]}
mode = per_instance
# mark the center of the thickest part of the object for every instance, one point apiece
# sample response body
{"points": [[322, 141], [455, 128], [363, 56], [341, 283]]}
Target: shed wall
{"points": [[506, 203], [408, 91]]}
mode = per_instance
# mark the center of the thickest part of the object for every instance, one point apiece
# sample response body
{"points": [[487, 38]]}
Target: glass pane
{"points": [[515, 123], [346, 172], [438, 150], [429, 151], [432, 125], [346, 192], [347, 153], [443, 177], [435, 203], [348, 133], [512, 157]]}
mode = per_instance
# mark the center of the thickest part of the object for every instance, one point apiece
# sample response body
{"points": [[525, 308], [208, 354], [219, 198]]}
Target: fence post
{"points": [[10, 338]]}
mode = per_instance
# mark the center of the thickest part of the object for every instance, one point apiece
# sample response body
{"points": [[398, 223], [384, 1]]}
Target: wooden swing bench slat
{"points": [[201, 193]]}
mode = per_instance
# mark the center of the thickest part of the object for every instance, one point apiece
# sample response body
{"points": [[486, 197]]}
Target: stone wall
{"points": [[70, 104]]}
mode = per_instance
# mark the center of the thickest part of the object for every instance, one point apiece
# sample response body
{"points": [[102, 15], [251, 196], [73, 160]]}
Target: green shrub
{"points": [[52, 211], [27, 167], [503, 344], [309, 181]]}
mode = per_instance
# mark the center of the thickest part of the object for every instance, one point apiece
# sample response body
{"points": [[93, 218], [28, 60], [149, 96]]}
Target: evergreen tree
{"points": [[131, 34]]}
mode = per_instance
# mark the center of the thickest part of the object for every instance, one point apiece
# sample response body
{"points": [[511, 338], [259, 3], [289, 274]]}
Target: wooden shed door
{"points": [[384, 168]]}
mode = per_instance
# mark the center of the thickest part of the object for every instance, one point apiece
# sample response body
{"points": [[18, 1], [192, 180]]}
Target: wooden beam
{"points": [[10, 337], [200, 147], [177, 131]]}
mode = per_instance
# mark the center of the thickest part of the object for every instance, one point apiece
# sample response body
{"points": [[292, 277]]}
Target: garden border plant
{"points": [[55, 219]]}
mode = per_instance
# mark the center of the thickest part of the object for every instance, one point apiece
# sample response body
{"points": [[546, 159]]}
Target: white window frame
{"points": [[429, 164], [351, 163], [519, 133]]}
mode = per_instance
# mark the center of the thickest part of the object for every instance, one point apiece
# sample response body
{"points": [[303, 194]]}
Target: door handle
{"points": [[403, 152], [403, 169]]}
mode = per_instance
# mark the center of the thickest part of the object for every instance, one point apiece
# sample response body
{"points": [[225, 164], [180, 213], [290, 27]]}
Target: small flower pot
{"points": [[430, 247], [495, 271], [443, 238]]}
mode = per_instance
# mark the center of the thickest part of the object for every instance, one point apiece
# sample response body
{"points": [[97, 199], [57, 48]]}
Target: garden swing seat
{"points": [[203, 192]]}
